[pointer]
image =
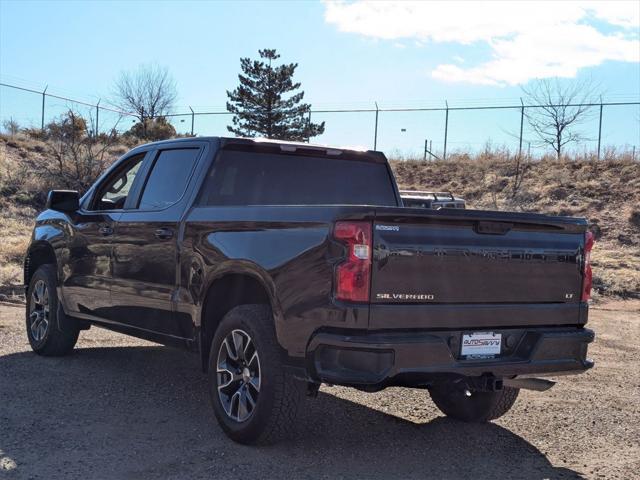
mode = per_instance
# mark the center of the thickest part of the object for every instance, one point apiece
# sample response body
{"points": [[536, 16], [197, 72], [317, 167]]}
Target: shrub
{"points": [[152, 129], [34, 133], [69, 157], [69, 127]]}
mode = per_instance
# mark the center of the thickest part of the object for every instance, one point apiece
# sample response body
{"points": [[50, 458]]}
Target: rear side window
{"points": [[245, 178], [168, 179]]}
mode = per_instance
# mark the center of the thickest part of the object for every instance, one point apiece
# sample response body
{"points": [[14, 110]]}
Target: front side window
{"points": [[168, 179], [113, 194]]}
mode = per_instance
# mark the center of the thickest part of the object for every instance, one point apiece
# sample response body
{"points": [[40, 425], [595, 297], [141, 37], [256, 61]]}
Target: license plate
{"points": [[481, 344]]}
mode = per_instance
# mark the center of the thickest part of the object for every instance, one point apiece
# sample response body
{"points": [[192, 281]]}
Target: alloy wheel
{"points": [[39, 308], [238, 375]]}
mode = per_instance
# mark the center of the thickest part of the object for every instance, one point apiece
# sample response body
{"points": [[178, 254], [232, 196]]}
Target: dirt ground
{"points": [[124, 408]]}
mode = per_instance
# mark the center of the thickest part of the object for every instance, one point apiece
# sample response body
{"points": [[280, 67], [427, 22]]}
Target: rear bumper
{"points": [[417, 358]]}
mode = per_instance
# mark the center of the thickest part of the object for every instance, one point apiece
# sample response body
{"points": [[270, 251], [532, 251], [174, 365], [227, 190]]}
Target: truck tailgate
{"points": [[475, 257]]}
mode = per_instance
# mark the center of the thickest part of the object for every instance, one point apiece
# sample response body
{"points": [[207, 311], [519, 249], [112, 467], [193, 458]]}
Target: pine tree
{"points": [[259, 104]]}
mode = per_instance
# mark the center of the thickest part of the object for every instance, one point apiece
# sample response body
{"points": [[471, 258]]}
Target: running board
{"points": [[538, 384]]}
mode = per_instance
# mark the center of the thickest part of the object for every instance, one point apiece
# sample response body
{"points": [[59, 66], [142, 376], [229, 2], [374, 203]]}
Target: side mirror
{"points": [[63, 200]]}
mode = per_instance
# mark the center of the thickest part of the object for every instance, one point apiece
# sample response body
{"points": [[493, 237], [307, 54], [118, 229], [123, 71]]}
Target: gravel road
{"points": [[124, 408]]}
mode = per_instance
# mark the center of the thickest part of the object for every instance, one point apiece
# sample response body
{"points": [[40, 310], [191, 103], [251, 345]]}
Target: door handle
{"points": [[163, 233], [105, 230]]}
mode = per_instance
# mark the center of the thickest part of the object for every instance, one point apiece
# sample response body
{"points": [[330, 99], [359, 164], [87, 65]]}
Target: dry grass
{"points": [[16, 223], [605, 192], [15, 238]]}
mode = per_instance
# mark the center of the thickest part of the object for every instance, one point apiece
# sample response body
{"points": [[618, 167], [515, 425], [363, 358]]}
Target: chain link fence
{"points": [[427, 132]]}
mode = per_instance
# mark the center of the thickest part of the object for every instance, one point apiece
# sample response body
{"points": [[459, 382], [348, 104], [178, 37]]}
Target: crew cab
{"points": [[285, 266]]}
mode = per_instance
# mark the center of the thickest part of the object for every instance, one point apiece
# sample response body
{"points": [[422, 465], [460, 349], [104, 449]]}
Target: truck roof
{"points": [[282, 146]]}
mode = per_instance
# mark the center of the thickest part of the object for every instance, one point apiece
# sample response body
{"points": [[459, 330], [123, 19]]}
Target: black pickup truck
{"points": [[285, 266]]}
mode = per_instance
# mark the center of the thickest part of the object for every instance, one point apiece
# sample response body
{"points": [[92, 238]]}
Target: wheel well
{"points": [[223, 295], [38, 255]]}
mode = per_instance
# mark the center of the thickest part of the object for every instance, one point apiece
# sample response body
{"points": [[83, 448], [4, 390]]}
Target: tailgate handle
{"points": [[493, 228]]}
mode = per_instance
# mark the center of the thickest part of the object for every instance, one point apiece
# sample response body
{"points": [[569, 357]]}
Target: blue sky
{"points": [[349, 54]]}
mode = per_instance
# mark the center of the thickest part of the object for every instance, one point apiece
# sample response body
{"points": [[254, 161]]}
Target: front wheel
{"points": [[254, 398], [472, 406], [46, 336]]}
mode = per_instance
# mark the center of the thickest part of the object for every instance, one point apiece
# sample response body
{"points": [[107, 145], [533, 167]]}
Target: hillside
{"points": [[606, 192]]}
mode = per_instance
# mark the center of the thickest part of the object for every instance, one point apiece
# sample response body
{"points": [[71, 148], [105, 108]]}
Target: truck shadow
{"points": [[143, 412]]}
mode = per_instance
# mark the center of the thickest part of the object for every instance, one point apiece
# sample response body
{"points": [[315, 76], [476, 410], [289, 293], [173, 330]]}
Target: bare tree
{"points": [[11, 126], [148, 92], [560, 109]]}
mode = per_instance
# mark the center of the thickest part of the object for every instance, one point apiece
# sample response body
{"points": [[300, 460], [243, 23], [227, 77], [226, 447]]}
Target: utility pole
{"points": [[192, 119]]}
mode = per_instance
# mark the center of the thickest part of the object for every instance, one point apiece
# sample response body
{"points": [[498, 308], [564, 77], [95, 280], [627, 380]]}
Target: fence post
{"points": [[192, 119], [446, 128], [375, 133], [600, 129], [144, 125], [97, 118], [426, 145], [43, 97], [521, 127]]}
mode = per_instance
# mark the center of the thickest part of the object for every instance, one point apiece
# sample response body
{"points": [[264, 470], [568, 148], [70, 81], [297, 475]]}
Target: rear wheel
{"points": [[472, 406], [254, 398], [44, 331]]}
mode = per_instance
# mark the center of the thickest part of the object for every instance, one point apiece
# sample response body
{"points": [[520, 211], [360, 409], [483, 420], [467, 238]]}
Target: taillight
{"points": [[354, 274], [587, 278]]}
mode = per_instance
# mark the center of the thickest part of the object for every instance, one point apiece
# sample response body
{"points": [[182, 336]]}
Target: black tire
{"points": [[276, 402], [43, 326], [479, 407]]}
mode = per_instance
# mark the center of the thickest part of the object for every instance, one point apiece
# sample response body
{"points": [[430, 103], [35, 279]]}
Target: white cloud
{"points": [[527, 39], [621, 13]]}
